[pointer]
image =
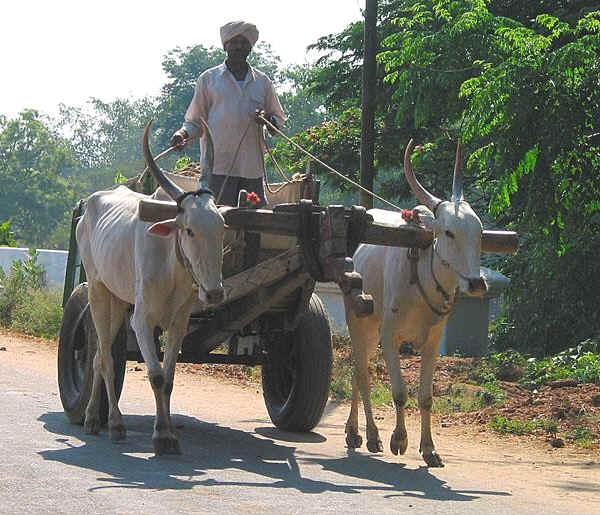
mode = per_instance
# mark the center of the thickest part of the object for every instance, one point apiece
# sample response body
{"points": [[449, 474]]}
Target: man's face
{"points": [[237, 48]]}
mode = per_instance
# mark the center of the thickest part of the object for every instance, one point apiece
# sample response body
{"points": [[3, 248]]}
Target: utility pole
{"points": [[369, 82]]}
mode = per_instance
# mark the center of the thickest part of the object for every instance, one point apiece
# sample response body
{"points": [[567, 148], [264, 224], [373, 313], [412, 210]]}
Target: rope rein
{"points": [[327, 167]]}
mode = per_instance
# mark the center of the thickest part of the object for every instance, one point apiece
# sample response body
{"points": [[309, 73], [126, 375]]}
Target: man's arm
{"points": [[192, 127], [274, 111]]}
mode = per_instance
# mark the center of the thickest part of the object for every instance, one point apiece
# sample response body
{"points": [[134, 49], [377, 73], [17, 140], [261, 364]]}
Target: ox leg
{"points": [[399, 438], [165, 437], [364, 344], [427, 448], [108, 314], [353, 438], [143, 324]]}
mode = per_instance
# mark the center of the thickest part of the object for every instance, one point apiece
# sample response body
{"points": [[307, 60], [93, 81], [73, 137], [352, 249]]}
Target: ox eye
{"points": [[450, 234], [189, 233]]}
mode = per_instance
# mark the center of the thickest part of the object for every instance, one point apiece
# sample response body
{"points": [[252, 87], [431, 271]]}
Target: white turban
{"points": [[239, 28]]}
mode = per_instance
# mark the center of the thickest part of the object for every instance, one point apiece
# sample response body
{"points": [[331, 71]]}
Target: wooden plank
{"points": [[264, 273], [150, 210], [262, 220], [394, 236], [231, 317], [499, 242]]}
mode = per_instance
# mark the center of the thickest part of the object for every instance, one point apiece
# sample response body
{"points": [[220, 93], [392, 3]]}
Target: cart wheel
{"points": [[297, 372], [76, 351]]}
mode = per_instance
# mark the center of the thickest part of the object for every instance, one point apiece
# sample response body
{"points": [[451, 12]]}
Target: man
{"points": [[229, 97]]}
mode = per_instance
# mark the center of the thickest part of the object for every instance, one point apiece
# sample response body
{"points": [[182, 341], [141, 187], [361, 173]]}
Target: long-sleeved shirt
{"points": [[229, 107]]}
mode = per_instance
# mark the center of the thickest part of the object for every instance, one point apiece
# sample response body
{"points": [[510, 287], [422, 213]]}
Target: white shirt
{"points": [[229, 107]]}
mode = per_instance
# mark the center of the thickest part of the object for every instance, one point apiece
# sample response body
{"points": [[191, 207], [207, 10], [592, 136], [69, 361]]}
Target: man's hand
{"points": [[178, 139], [260, 114]]}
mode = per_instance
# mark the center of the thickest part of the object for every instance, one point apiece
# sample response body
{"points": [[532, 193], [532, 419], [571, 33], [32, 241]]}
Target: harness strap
{"points": [[197, 193], [185, 262], [413, 257]]}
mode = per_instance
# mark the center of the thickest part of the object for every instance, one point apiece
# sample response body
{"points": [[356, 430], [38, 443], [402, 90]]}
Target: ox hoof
{"points": [[375, 445], [398, 444], [117, 433], [353, 440], [92, 426], [433, 459], [166, 445]]}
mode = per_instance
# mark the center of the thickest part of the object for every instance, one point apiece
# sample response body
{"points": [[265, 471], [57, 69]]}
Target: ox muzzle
{"points": [[215, 296], [477, 286]]}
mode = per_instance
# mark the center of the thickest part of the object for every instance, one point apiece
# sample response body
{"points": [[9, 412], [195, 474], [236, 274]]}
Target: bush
{"points": [[505, 366], [7, 237], [25, 304], [39, 313], [581, 363], [553, 299], [23, 276]]}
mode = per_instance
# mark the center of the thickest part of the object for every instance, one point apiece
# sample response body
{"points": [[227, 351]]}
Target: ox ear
{"points": [[163, 229]]}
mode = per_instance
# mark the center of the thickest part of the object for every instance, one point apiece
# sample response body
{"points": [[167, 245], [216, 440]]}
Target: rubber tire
{"points": [[296, 374], [76, 350]]}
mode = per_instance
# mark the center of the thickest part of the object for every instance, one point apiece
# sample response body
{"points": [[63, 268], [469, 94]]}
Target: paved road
{"points": [[234, 461]]}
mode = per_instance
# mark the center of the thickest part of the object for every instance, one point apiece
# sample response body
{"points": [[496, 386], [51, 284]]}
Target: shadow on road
{"points": [[210, 448], [285, 436]]}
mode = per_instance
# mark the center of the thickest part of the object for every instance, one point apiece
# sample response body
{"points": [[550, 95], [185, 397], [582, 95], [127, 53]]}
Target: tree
{"points": [[524, 99], [35, 191], [304, 108], [533, 121], [7, 237], [523, 95]]}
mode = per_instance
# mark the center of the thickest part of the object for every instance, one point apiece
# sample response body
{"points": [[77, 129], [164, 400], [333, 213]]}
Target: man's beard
{"points": [[237, 57]]}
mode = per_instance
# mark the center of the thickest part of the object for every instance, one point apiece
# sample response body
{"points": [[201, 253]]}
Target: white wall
{"points": [[53, 261]]}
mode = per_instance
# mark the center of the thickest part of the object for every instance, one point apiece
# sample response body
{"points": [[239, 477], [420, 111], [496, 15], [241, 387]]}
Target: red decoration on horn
{"points": [[408, 215], [253, 198]]}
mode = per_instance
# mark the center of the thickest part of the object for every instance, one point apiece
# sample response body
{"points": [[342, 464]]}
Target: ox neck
{"points": [[442, 275], [437, 284], [184, 262]]}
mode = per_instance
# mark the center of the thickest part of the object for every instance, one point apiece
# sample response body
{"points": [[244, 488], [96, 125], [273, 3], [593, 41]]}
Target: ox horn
{"points": [[457, 189], [209, 157], [419, 192], [164, 182]]}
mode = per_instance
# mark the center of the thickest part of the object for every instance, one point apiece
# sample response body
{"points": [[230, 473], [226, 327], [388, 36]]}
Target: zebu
{"points": [[413, 292], [157, 268]]}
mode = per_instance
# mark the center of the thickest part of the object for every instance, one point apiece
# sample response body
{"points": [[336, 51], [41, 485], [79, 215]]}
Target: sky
{"points": [[66, 51]]}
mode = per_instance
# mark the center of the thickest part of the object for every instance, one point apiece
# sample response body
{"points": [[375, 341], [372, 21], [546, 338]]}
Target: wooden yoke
{"points": [[286, 221], [328, 237]]}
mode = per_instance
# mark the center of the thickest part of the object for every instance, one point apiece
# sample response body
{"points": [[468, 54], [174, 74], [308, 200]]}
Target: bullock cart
{"points": [[271, 316]]}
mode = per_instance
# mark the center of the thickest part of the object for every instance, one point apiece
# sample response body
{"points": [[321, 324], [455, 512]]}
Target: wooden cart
{"points": [[272, 317]]}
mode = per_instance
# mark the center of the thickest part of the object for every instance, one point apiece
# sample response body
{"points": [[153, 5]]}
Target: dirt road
{"points": [[234, 460]]}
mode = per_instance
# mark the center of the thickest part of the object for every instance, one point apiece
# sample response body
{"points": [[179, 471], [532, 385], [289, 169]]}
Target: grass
{"points": [[381, 395], [462, 401], [581, 436], [25, 304], [455, 404], [513, 426], [547, 425], [341, 387], [38, 313]]}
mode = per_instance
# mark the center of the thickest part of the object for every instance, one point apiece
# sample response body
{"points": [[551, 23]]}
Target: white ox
{"points": [[413, 294], [158, 269]]}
